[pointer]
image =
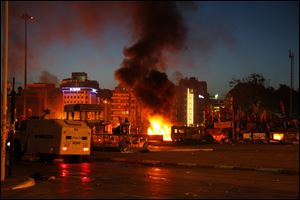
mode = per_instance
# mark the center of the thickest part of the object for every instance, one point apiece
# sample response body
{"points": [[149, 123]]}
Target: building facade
{"points": [[192, 99], [79, 90], [125, 105], [37, 98]]}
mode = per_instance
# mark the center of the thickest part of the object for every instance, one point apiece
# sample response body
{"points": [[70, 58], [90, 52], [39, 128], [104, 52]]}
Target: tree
{"points": [[251, 92], [282, 94], [248, 92]]}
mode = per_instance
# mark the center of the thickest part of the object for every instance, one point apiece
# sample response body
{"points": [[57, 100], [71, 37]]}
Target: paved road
{"points": [[252, 156], [120, 180], [133, 177]]}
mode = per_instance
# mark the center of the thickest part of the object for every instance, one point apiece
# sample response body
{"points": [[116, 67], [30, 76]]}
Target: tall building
{"points": [[79, 90], [124, 104], [192, 99], [119, 105]]}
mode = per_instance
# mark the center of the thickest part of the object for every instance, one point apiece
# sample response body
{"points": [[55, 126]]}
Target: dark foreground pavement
{"points": [[269, 158], [16, 182], [258, 157]]}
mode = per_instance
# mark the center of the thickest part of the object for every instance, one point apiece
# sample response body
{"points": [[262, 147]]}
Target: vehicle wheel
{"points": [[43, 157], [209, 139], [18, 153]]}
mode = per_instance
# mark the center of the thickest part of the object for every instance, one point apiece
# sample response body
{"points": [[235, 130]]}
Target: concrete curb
{"points": [[152, 162], [187, 164], [223, 167], [155, 162], [190, 150], [28, 183], [183, 150]]}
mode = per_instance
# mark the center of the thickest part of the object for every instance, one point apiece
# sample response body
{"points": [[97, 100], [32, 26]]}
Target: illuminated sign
{"points": [[190, 106], [200, 96], [75, 89]]}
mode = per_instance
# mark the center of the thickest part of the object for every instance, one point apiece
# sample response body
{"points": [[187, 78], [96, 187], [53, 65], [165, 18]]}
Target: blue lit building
{"points": [[79, 90]]}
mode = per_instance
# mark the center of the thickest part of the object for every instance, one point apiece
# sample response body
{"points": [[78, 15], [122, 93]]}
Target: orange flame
{"points": [[160, 126]]}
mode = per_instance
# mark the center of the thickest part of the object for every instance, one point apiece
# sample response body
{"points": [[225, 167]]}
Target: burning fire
{"points": [[160, 126]]}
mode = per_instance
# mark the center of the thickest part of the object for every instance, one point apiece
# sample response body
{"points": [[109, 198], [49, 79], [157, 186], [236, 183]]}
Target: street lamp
{"points": [[26, 17]]}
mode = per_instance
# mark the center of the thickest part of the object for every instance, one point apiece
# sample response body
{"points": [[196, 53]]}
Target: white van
{"points": [[53, 137]]}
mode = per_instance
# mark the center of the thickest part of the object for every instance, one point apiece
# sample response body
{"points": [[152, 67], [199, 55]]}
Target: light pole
{"points": [[202, 106], [26, 17], [4, 95]]}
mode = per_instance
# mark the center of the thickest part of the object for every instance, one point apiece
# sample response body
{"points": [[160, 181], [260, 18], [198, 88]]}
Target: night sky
{"points": [[223, 40]]}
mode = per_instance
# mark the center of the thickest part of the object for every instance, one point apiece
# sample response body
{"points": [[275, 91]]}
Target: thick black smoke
{"points": [[159, 27]]}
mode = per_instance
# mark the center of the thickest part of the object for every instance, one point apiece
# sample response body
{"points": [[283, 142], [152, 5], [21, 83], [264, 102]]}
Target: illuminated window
{"points": [[190, 106]]}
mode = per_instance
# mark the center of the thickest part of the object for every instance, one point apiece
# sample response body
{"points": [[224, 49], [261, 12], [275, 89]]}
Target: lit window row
{"points": [[120, 112], [71, 102], [78, 97]]}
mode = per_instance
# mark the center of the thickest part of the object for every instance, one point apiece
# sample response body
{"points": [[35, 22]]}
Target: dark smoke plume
{"points": [[47, 77], [159, 26]]}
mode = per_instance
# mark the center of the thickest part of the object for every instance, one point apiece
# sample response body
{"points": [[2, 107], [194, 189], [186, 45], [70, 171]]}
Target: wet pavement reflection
{"points": [[82, 171], [103, 180], [87, 176], [158, 180]]}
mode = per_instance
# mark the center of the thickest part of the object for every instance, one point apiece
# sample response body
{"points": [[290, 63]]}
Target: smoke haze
{"points": [[158, 26], [47, 77]]}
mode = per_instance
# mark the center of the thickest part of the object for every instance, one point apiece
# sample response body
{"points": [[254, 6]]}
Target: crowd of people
{"points": [[257, 123]]}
